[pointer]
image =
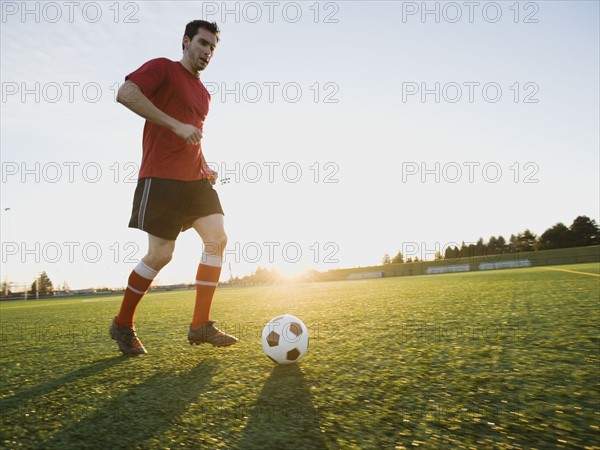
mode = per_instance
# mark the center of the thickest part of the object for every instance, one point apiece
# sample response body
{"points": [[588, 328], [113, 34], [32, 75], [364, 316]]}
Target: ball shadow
{"points": [[284, 415]]}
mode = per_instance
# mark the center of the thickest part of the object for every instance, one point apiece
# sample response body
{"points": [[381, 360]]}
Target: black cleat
{"points": [[126, 338], [209, 334]]}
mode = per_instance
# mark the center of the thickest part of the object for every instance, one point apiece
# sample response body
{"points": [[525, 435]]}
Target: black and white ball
{"points": [[285, 339]]}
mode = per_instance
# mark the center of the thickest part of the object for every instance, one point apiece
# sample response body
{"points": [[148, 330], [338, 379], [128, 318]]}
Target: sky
{"points": [[348, 130]]}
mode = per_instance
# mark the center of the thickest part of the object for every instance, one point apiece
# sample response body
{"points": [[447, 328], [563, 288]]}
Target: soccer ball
{"points": [[285, 339]]}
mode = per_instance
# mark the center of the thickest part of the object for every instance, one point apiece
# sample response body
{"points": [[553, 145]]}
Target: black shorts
{"points": [[164, 207]]}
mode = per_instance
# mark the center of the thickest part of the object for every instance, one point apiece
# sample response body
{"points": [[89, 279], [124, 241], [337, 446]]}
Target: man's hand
{"points": [[212, 176], [189, 133]]}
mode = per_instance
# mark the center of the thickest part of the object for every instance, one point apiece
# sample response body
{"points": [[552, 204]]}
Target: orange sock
{"points": [[138, 283], [207, 279]]}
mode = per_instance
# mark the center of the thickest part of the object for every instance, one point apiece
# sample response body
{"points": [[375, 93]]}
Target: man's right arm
{"points": [[131, 96]]}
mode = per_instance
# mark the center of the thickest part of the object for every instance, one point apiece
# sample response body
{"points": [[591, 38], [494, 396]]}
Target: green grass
{"points": [[497, 359]]}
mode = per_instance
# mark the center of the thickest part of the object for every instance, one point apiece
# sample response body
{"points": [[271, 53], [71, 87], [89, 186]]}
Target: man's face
{"points": [[200, 49]]}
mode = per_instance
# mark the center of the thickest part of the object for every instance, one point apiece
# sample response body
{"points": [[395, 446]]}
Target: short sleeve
{"points": [[150, 76]]}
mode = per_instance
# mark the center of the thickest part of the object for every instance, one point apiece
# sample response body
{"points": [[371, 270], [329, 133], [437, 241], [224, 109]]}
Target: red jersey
{"points": [[178, 93]]}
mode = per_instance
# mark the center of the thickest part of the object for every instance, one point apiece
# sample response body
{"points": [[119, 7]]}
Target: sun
{"points": [[292, 272]]}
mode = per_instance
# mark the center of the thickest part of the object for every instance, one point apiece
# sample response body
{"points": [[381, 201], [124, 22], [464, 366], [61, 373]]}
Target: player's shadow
{"points": [[141, 413], [11, 404], [284, 415]]}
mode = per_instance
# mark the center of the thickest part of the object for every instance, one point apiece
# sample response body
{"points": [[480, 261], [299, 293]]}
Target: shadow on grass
{"points": [[146, 410], [284, 415], [11, 404]]}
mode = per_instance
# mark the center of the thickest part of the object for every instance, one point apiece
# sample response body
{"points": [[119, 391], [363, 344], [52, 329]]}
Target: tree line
{"points": [[582, 232], [41, 286]]}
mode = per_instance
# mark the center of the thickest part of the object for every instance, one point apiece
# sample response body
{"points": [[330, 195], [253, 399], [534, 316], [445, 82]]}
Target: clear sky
{"points": [[348, 129]]}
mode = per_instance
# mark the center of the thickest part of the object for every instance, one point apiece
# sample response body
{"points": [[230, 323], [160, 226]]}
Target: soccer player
{"points": [[174, 190]]}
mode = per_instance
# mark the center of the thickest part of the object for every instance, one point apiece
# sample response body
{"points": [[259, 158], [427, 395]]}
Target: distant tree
{"points": [[438, 256], [45, 285], [452, 253], [386, 259], [557, 236], [398, 259], [585, 231], [512, 243], [262, 275], [479, 247], [464, 250], [501, 243], [409, 260], [6, 289], [492, 248], [449, 253], [526, 241], [416, 259]]}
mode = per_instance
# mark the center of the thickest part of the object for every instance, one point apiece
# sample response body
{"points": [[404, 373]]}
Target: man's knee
{"points": [[164, 258], [222, 239], [158, 258], [216, 242]]}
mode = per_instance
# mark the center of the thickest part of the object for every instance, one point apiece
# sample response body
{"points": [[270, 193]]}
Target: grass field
{"points": [[498, 359]]}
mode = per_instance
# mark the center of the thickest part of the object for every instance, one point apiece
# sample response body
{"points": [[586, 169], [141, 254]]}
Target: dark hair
{"points": [[191, 29]]}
